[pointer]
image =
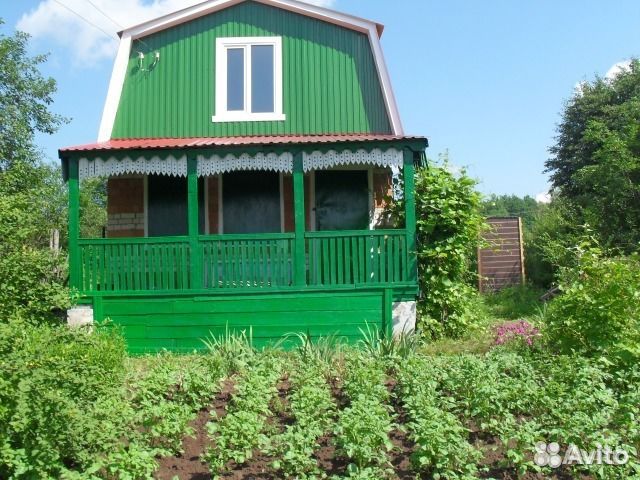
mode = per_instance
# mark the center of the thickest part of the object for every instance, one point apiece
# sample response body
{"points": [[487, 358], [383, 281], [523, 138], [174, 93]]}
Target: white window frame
{"points": [[221, 113]]}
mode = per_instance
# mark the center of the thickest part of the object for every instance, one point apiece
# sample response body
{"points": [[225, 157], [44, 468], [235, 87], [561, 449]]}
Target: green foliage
{"points": [[595, 164], [527, 208], [511, 303], [243, 428], [523, 399], [25, 97], [93, 207], [31, 274], [362, 430], [312, 409], [31, 198], [449, 223], [59, 389], [440, 437], [598, 312]]}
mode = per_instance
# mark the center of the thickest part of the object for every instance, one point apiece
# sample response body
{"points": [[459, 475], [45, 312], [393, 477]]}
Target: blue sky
{"points": [[485, 80]]}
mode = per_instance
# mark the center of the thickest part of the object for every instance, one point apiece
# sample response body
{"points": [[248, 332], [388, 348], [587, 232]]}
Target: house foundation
{"points": [[404, 317], [80, 316]]}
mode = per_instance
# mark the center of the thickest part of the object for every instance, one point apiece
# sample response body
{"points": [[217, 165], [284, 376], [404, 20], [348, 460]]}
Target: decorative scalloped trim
{"points": [[318, 160], [215, 164], [98, 167]]}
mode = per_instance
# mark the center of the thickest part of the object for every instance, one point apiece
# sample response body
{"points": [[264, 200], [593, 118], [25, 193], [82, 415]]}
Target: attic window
{"points": [[248, 79]]}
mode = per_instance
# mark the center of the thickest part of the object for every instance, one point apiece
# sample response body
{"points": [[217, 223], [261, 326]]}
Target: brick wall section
{"points": [[213, 201], [501, 263], [125, 207]]}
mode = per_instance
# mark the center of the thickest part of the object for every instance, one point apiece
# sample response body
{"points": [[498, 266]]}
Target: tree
{"points": [[595, 163], [32, 200], [25, 97]]}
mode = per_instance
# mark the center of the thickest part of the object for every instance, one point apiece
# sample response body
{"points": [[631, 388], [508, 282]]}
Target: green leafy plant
{"points": [[598, 313]]}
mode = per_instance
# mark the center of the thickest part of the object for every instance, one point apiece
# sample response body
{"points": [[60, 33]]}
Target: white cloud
{"points": [[617, 68], [52, 22], [543, 197]]}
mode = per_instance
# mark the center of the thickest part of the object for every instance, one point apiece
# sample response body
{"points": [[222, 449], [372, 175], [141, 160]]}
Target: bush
{"points": [[32, 276], [449, 223], [61, 398], [598, 313]]}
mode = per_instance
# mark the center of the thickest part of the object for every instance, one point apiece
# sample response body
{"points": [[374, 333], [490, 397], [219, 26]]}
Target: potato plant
{"points": [[313, 409], [362, 430], [243, 428], [441, 442]]}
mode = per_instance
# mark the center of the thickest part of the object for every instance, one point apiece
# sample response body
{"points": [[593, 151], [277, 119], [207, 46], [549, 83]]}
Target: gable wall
{"points": [[330, 81]]}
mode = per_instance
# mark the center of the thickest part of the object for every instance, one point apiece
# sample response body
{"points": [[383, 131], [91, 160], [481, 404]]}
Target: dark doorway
{"points": [[167, 205], [342, 200], [251, 202]]}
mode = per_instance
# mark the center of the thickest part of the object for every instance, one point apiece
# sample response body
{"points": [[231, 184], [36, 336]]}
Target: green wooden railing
{"points": [[357, 257], [129, 264], [235, 262], [247, 261]]}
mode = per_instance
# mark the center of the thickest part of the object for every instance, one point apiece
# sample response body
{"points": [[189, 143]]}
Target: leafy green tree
{"points": [[595, 163], [25, 97], [32, 200], [512, 206]]}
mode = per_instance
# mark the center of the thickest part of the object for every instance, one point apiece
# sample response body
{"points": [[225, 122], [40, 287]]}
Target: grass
{"points": [[509, 304]]}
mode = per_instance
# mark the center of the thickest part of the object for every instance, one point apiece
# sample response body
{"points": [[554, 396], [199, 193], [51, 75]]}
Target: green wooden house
{"points": [[249, 149]]}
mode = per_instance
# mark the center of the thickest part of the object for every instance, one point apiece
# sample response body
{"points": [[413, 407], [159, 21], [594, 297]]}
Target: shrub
{"points": [[61, 398], [598, 312], [449, 223]]}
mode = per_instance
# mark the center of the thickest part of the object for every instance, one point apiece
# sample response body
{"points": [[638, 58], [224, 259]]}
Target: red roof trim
{"points": [[207, 142]]}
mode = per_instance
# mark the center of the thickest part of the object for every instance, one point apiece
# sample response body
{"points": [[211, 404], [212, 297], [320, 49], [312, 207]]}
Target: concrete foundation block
{"points": [[404, 317], [80, 316]]}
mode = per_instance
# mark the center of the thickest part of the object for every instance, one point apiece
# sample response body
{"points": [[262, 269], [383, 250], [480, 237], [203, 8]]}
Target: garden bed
{"points": [[457, 417]]}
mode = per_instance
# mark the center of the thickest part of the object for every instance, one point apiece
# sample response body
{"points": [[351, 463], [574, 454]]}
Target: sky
{"points": [[485, 81]]}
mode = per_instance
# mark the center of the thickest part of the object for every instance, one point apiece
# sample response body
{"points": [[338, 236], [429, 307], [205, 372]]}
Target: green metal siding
{"points": [[330, 81], [180, 324]]}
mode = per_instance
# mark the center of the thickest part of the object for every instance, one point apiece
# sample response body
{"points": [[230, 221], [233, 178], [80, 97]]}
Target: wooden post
{"points": [[387, 312], [408, 174], [195, 262], [300, 263], [74, 224]]}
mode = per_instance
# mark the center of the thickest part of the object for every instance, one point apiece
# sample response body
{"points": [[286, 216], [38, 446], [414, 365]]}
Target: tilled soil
{"points": [[188, 466]]}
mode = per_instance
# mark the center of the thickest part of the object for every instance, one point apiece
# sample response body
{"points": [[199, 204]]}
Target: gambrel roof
{"points": [[372, 29]]}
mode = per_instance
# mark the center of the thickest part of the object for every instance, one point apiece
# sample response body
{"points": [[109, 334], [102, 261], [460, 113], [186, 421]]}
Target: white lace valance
{"points": [[97, 167], [322, 160], [215, 164]]}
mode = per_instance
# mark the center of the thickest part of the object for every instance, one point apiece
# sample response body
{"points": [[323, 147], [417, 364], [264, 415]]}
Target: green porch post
{"points": [[408, 173], [195, 262], [74, 224], [300, 264]]}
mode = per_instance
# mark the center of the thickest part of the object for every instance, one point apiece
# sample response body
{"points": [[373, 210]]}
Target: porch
{"points": [[155, 278]]}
